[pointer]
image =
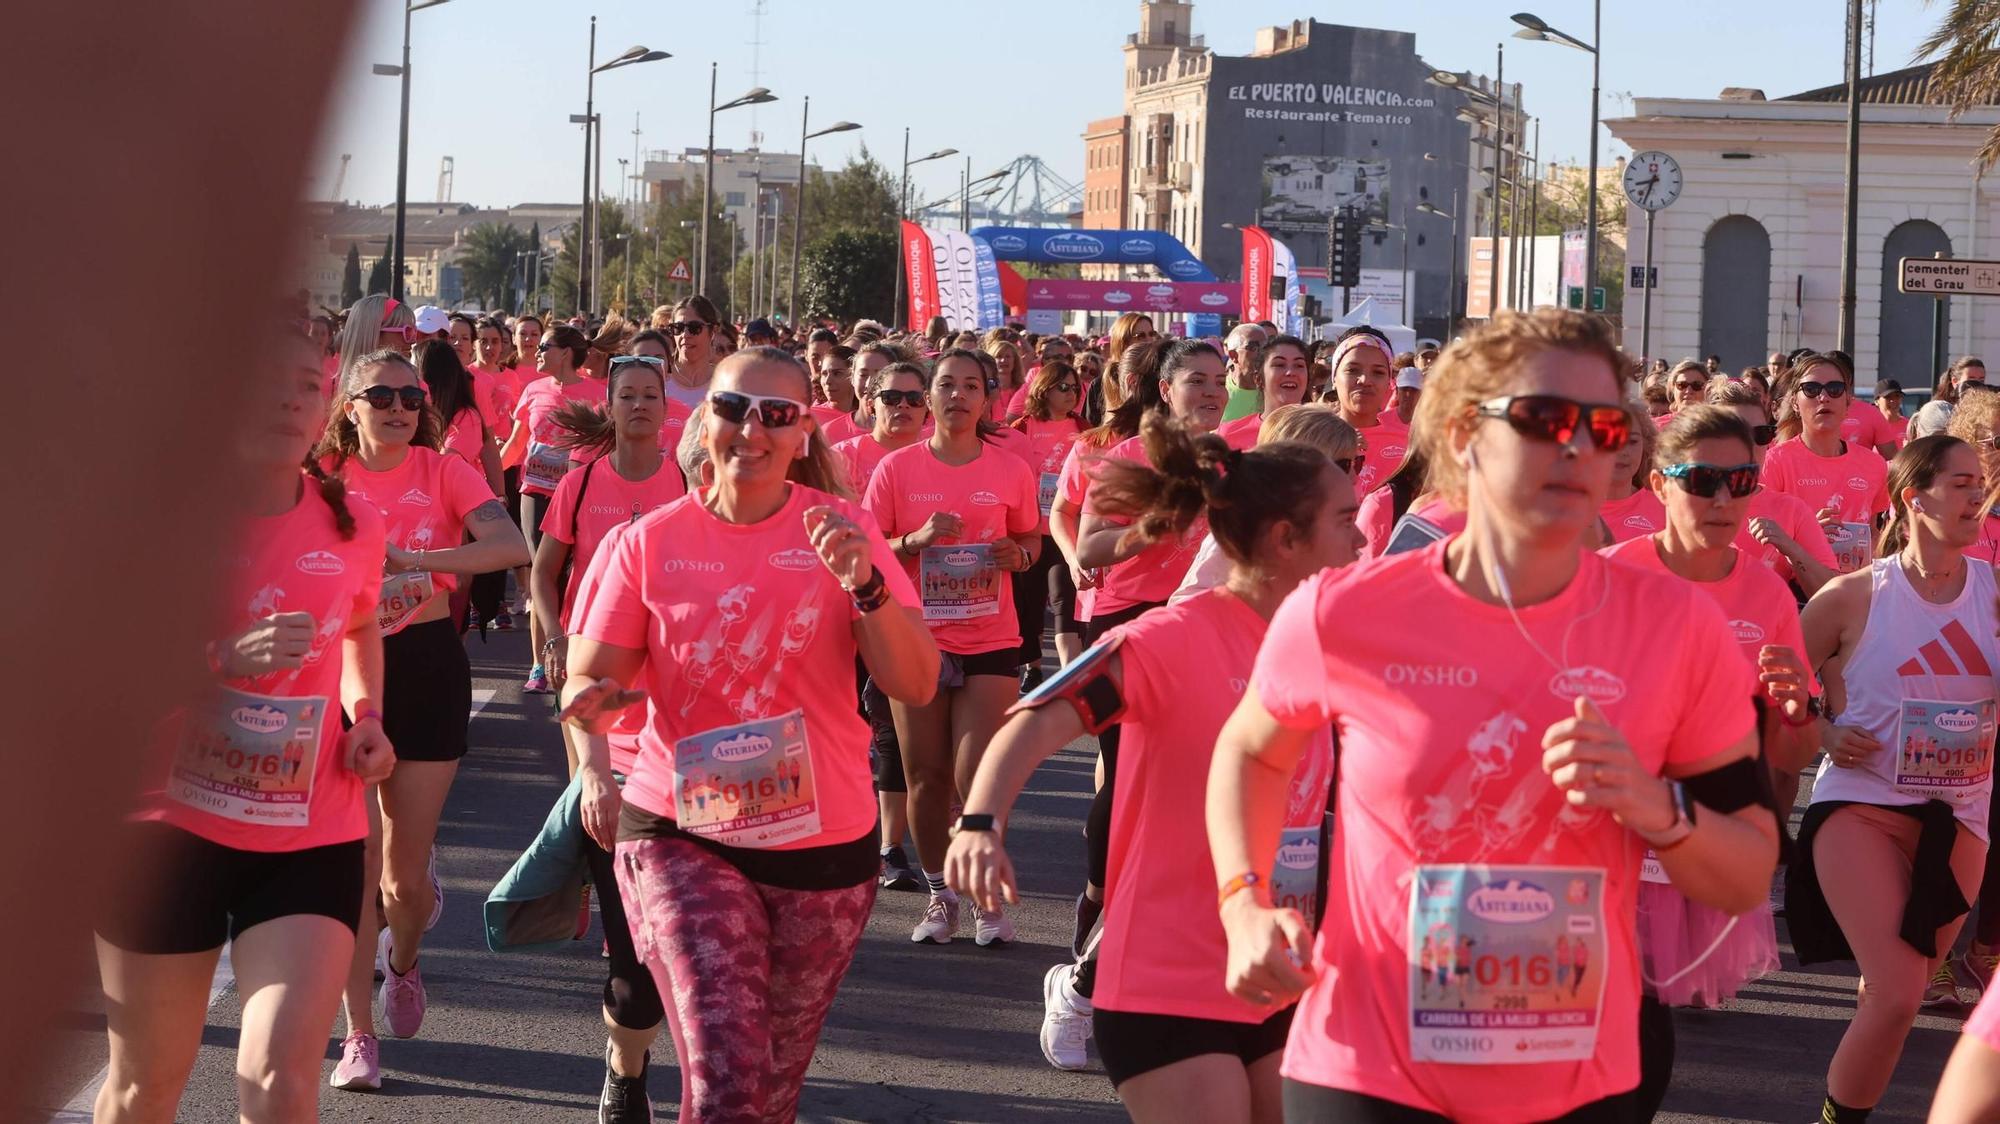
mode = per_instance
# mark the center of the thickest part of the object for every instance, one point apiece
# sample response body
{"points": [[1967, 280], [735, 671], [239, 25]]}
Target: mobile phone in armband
{"points": [[1084, 684], [1412, 533]]}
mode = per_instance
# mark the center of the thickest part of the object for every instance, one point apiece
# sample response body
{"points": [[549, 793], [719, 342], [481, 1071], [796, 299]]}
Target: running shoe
{"points": [[1980, 963], [360, 1066], [1944, 991], [1065, 1021], [1087, 912], [538, 681], [1031, 677], [402, 994], [583, 914], [940, 921], [991, 928], [624, 1100], [503, 621], [437, 893], [897, 873]]}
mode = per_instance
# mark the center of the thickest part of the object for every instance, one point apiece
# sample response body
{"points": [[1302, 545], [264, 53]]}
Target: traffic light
{"points": [[1343, 248]]}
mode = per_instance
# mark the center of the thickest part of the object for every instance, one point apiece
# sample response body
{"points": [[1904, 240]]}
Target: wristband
{"points": [[1243, 881], [1815, 708], [365, 715], [871, 594]]}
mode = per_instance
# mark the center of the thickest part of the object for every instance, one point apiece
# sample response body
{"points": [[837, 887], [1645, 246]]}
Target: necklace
{"points": [[1937, 580]]}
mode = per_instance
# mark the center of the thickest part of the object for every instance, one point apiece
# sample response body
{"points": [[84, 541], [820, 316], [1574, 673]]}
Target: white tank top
{"points": [[1922, 681]]}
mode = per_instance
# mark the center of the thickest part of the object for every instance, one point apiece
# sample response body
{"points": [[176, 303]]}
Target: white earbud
{"points": [[1917, 505]]}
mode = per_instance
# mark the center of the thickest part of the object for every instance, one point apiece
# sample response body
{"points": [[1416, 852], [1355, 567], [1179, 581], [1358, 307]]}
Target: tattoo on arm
{"points": [[487, 512]]}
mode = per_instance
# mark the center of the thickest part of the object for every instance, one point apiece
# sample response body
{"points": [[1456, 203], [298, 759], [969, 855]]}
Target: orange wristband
{"points": [[1240, 882]]}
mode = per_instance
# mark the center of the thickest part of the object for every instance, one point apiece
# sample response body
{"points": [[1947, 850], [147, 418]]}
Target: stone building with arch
{"points": [[1749, 256]]}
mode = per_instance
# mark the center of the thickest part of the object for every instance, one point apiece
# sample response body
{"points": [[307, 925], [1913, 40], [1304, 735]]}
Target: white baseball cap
{"points": [[1410, 379], [431, 320]]}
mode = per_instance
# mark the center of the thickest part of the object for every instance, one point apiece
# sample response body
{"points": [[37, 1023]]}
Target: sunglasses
{"points": [[1065, 388], [1545, 417], [383, 397], [1764, 434], [1705, 480], [1690, 386], [652, 361], [914, 399], [685, 327], [1833, 389], [407, 332], [1351, 465], [772, 413]]}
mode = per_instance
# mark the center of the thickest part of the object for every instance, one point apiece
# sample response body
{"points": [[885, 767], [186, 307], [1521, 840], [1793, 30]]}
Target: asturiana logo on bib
{"points": [[1512, 902], [1593, 683], [741, 747], [798, 558], [1960, 721], [962, 558], [1747, 632], [985, 499], [260, 719], [1298, 856], [321, 562]]}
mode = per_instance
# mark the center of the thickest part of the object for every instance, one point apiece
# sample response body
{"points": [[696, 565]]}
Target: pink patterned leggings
{"points": [[749, 972]]}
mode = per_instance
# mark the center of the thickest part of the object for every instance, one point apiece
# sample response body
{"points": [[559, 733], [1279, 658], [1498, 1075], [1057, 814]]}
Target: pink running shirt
{"points": [[1635, 516], [1045, 451], [306, 796], [1855, 484], [1386, 444], [1440, 725], [1150, 576], [1794, 518], [743, 628], [994, 496], [1377, 519], [1757, 603], [545, 463], [623, 736], [1865, 425], [1242, 433], [609, 501], [423, 503]]}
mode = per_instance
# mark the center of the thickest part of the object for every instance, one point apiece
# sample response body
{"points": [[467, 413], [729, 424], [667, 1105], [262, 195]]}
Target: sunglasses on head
{"points": [[383, 397], [1351, 465], [682, 327], [773, 413], [1705, 480], [914, 399], [652, 361], [1764, 434], [1832, 389], [1546, 417]]}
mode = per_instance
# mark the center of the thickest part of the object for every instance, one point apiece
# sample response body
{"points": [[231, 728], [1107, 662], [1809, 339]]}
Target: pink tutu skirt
{"points": [[1674, 932]]}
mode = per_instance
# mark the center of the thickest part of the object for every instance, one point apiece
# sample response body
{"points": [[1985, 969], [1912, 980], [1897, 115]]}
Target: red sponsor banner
{"points": [[1134, 296], [920, 275], [1257, 254]]}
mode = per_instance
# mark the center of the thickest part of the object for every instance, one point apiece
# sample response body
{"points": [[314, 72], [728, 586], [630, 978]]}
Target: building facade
{"points": [[1749, 257], [434, 233]]}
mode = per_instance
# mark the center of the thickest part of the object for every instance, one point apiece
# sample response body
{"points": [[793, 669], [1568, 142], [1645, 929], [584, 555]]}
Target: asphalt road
{"points": [[919, 1033]]}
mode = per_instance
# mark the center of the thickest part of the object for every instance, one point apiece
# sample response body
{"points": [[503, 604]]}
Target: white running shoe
{"points": [[1065, 1022], [989, 928], [940, 921]]}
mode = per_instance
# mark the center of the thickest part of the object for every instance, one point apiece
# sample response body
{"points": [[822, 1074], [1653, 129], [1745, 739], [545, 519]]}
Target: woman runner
{"points": [[1506, 766], [745, 657], [1051, 423], [1841, 482], [1175, 1044], [1285, 373], [1364, 374]]}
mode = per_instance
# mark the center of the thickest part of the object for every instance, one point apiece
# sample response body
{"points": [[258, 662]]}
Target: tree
{"points": [[848, 274], [378, 274], [350, 277], [1966, 68], [487, 258]]}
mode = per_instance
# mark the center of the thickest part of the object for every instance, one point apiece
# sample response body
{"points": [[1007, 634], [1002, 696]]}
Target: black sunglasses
{"points": [[1764, 434], [383, 397], [679, 327], [914, 399], [1546, 417], [773, 413], [1834, 389], [1351, 465], [1705, 480]]}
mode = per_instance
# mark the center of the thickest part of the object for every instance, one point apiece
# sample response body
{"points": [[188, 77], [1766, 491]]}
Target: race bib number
{"points": [[1851, 548], [1945, 749], [1045, 491], [1295, 876], [749, 785], [545, 466], [959, 582], [249, 758], [402, 596], [1506, 964]]}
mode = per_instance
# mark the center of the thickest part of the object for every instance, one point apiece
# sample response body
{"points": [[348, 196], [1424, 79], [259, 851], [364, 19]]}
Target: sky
{"points": [[494, 81]]}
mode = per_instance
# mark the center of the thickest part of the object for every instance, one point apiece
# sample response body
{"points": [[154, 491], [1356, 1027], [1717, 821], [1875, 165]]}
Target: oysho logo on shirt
{"points": [[1812, 481], [612, 509], [1747, 632], [925, 497], [1429, 675], [691, 565], [1593, 683], [321, 562], [415, 497], [798, 559], [985, 499]]}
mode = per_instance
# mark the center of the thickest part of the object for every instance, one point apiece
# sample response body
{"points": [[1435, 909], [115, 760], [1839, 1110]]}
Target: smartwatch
{"points": [[1683, 825], [971, 821]]}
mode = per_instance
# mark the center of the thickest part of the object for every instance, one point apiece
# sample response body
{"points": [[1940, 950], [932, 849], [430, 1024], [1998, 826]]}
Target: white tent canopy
{"points": [[1402, 336]]}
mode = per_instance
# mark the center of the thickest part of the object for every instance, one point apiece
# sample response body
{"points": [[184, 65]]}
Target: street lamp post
{"points": [[965, 199], [587, 231], [1451, 290], [402, 145], [1535, 29], [757, 96], [903, 213]]}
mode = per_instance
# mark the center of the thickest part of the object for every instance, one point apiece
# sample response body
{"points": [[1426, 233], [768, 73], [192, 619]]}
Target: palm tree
{"points": [[1966, 71], [486, 260]]}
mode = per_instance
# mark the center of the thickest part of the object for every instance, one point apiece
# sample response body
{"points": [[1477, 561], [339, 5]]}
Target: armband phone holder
{"points": [[1086, 685]]}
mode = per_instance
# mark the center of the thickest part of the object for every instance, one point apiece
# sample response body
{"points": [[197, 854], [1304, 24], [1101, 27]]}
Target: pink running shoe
{"points": [[402, 994], [360, 1066]]}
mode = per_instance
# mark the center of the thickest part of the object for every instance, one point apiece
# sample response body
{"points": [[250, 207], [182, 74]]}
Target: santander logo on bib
{"points": [[321, 562], [985, 499], [1512, 902], [1747, 632], [797, 559], [741, 747], [1593, 683], [260, 719]]}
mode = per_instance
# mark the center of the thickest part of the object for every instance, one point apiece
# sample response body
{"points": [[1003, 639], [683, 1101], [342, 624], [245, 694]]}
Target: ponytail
{"points": [[1918, 466], [334, 492], [585, 428]]}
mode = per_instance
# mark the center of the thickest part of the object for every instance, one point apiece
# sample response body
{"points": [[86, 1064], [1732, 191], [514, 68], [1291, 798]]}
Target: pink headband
{"points": [[1361, 339], [388, 306]]}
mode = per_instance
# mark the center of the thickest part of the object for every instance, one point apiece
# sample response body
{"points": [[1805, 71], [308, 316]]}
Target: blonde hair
{"points": [[1976, 418], [820, 467], [1315, 424], [1483, 363], [361, 333], [1694, 425]]}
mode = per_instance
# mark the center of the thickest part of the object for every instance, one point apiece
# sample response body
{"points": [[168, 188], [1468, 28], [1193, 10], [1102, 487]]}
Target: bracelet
{"points": [[1815, 708], [551, 642], [1243, 881], [365, 715], [871, 594]]}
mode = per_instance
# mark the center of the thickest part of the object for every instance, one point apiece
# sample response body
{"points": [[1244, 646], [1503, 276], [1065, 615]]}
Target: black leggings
{"points": [[1043, 586], [1656, 1055], [1317, 1104], [629, 992], [489, 590], [1986, 927]]}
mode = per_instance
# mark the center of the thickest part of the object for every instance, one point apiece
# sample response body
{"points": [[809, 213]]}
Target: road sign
{"points": [[1644, 277], [680, 271], [1941, 277], [1573, 297]]}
